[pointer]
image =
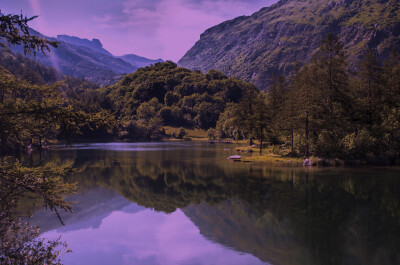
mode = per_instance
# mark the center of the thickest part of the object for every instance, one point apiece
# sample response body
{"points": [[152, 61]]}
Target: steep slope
{"points": [[271, 40], [84, 58], [94, 44]]}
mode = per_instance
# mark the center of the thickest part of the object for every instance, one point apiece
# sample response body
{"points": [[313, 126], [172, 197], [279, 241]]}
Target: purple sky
{"points": [[146, 237], [151, 28]]}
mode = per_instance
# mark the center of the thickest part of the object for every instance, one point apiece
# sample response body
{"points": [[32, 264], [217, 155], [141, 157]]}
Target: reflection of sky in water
{"points": [[129, 146], [146, 237]]}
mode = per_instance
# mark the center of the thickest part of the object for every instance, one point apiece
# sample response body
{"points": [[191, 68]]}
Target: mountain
{"points": [[87, 58], [268, 42], [138, 61], [94, 44]]}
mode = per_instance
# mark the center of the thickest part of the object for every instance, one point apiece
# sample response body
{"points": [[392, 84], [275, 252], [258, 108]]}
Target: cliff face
{"points": [[254, 48], [87, 58]]}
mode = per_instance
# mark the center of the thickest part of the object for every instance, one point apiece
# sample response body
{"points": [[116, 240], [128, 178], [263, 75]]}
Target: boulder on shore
{"points": [[307, 162]]}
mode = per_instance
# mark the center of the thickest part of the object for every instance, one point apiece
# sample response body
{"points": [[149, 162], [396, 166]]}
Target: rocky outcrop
{"points": [[88, 59], [270, 41]]}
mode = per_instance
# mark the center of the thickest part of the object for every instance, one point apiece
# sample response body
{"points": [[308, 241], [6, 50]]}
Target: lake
{"points": [[185, 203]]}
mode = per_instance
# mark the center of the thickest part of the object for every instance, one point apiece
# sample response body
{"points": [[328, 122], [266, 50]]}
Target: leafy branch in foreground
{"points": [[27, 111], [46, 181], [19, 243], [14, 30]]}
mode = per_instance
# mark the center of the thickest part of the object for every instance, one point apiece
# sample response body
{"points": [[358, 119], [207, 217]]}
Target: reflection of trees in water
{"points": [[284, 215], [162, 185]]}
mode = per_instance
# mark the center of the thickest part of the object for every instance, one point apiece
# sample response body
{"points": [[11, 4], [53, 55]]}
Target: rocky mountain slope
{"points": [[87, 58], [268, 42]]}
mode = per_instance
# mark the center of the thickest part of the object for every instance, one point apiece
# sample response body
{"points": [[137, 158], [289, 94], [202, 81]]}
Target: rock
{"points": [[291, 30], [307, 162], [235, 157]]}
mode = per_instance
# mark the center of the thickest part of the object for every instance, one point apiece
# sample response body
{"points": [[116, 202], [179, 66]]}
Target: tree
{"points": [[371, 94], [325, 97], [14, 30], [260, 119], [252, 118], [276, 99], [181, 133], [22, 109]]}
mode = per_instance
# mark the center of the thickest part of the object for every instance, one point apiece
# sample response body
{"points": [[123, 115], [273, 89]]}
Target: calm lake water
{"points": [[184, 203]]}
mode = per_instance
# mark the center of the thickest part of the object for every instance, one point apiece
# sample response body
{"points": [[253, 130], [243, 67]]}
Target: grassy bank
{"points": [[268, 156], [252, 155], [192, 134]]}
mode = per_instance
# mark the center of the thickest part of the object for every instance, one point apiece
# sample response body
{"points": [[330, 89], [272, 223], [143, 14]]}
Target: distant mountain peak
{"points": [[94, 44], [86, 58]]}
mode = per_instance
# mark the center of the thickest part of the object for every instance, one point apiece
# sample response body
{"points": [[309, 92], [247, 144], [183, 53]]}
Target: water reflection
{"points": [[185, 204]]}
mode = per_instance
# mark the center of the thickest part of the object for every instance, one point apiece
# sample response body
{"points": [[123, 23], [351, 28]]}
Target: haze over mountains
{"points": [[255, 47], [87, 58]]}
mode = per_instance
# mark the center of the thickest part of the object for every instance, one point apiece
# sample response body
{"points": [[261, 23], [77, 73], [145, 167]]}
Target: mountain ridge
{"points": [[268, 42], [87, 59]]}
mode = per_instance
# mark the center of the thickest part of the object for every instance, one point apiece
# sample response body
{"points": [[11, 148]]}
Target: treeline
{"points": [[325, 109], [136, 108], [32, 114], [27, 69], [164, 94]]}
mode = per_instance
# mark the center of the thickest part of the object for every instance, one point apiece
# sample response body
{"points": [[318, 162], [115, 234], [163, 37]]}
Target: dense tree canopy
{"points": [[164, 94], [326, 110]]}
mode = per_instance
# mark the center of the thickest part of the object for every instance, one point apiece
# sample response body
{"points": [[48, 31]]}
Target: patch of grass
{"points": [[252, 154], [193, 134], [269, 158]]}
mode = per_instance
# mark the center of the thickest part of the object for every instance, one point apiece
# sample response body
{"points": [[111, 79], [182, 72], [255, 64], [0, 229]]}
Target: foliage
{"points": [[326, 110], [27, 69], [18, 244], [181, 133], [14, 30], [29, 110], [176, 96]]}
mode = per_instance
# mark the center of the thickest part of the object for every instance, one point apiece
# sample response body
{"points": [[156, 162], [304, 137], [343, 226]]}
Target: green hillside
{"points": [[164, 94], [256, 47]]}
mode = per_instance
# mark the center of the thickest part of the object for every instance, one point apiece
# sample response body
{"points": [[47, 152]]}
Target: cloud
{"points": [[174, 24], [151, 28]]}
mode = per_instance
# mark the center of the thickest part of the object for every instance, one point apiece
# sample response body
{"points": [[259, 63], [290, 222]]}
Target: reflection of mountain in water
{"points": [[283, 216], [234, 224], [92, 207], [341, 219]]}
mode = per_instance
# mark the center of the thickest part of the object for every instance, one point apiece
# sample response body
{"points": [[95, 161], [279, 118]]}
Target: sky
{"points": [[164, 29]]}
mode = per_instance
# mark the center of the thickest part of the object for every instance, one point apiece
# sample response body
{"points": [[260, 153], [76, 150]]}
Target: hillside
{"points": [[268, 42], [87, 58], [164, 94]]}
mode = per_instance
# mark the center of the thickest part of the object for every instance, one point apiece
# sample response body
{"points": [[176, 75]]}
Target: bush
{"points": [[212, 134], [181, 133]]}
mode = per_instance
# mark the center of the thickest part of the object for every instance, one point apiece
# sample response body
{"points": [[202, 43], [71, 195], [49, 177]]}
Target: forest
{"points": [[323, 109]]}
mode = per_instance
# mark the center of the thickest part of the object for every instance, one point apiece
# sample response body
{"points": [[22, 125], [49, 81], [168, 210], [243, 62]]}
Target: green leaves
{"points": [[185, 98], [14, 30], [18, 244]]}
